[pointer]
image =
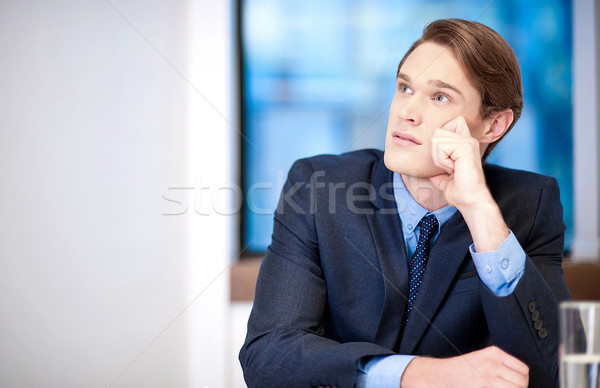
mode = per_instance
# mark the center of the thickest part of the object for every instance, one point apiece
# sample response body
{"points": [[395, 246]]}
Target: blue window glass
{"points": [[319, 77]]}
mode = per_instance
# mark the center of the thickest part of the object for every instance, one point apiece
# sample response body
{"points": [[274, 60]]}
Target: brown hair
{"points": [[488, 61]]}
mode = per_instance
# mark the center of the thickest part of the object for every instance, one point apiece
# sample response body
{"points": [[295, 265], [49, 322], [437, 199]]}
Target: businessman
{"points": [[420, 266]]}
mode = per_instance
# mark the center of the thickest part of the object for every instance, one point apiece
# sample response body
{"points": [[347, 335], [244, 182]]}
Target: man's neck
{"points": [[424, 192]]}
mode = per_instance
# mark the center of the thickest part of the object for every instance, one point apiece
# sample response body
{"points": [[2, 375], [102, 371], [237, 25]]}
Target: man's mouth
{"points": [[406, 137]]}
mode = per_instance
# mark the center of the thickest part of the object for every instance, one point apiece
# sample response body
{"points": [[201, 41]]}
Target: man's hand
{"points": [[455, 151], [490, 367]]}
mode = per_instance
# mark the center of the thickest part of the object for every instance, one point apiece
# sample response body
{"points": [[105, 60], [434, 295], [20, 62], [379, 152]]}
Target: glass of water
{"points": [[579, 350]]}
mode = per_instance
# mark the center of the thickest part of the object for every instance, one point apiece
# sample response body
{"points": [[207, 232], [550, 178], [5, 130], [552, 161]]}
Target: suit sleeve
{"points": [[285, 345], [525, 323]]}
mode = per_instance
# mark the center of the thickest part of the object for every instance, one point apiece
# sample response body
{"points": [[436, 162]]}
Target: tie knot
{"points": [[428, 225]]}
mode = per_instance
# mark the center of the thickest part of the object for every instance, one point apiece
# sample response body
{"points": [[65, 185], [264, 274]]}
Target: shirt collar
{"points": [[411, 212]]}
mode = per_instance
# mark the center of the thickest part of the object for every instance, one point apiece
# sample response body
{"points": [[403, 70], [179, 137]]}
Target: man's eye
{"points": [[405, 89], [441, 98]]}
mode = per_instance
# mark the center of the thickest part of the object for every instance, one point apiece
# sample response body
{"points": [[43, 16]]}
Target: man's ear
{"points": [[498, 124]]}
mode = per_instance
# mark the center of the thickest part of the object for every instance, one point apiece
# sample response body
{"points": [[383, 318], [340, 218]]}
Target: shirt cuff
{"points": [[384, 371], [501, 270]]}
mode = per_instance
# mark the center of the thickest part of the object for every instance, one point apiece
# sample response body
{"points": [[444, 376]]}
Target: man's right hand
{"points": [[490, 367]]}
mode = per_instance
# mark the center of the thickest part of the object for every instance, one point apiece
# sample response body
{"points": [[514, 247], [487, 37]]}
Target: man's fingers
{"points": [[450, 145], [461, 127], [513, 377], [442, 157], [440, 181], [444, 147], [450, 126], [515, 364], [457, 125], [513, 370]]}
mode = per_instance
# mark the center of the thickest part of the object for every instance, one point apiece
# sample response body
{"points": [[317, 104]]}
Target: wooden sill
{"points": [[583, 280], [243, 279]]}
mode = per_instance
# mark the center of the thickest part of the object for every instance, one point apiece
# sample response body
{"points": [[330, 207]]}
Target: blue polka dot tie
{"points": [[428, 225]]}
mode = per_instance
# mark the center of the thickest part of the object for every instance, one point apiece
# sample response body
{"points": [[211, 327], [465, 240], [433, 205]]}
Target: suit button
{"points": [[531, 306], [543, 333], [538, 324], [535, 315]]}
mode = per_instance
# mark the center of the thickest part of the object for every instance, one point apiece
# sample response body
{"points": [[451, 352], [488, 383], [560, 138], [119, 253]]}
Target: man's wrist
{"points": [[420, 372], [483, 201], [486, 224]]}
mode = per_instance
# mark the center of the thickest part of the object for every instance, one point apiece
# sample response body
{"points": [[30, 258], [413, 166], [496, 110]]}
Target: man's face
{"points": [[431, 90]]}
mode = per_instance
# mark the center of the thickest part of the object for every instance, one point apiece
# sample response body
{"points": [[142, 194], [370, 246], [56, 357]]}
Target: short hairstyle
{"points": [[488, 61]]}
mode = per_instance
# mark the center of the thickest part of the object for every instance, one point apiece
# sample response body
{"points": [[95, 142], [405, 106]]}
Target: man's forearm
{"points": [[486, 224]]}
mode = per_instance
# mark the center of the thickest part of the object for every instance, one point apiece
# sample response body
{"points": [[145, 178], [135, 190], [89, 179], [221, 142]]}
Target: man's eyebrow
{"points": [[403, 77], [434, 82], [444, 85]]}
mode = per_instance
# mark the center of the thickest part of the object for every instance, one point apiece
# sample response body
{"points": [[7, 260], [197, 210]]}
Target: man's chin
{"points": [[387, 160], [404, 167]]}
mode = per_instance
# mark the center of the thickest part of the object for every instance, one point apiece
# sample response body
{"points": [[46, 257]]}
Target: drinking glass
{"points": [[579, 350]]}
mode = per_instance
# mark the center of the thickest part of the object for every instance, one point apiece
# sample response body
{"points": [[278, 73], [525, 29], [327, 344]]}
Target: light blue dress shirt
{"points": [[499, 270]]}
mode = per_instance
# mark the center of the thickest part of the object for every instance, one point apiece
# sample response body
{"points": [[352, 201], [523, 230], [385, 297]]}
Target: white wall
{"points": [[97, 120]]}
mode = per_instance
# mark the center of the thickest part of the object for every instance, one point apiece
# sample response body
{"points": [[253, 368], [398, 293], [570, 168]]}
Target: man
{"points": [[421, 251]]}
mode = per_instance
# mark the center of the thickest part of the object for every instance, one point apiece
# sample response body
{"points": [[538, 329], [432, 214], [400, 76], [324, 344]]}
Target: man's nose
{"points": [[411, 109]]}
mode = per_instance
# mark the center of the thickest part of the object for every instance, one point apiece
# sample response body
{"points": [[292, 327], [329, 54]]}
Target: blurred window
{"points": [[318, 77]]}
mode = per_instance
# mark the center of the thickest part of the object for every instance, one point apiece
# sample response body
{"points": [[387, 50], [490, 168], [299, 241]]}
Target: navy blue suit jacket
{"points": [[333, 285]]}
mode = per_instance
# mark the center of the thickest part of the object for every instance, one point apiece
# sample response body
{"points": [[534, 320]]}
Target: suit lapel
{"points": [[386, 232], [387, 236], [445, 259]]}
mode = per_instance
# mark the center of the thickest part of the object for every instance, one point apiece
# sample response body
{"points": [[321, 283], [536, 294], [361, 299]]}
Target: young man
{"points": [[421, 251]]}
